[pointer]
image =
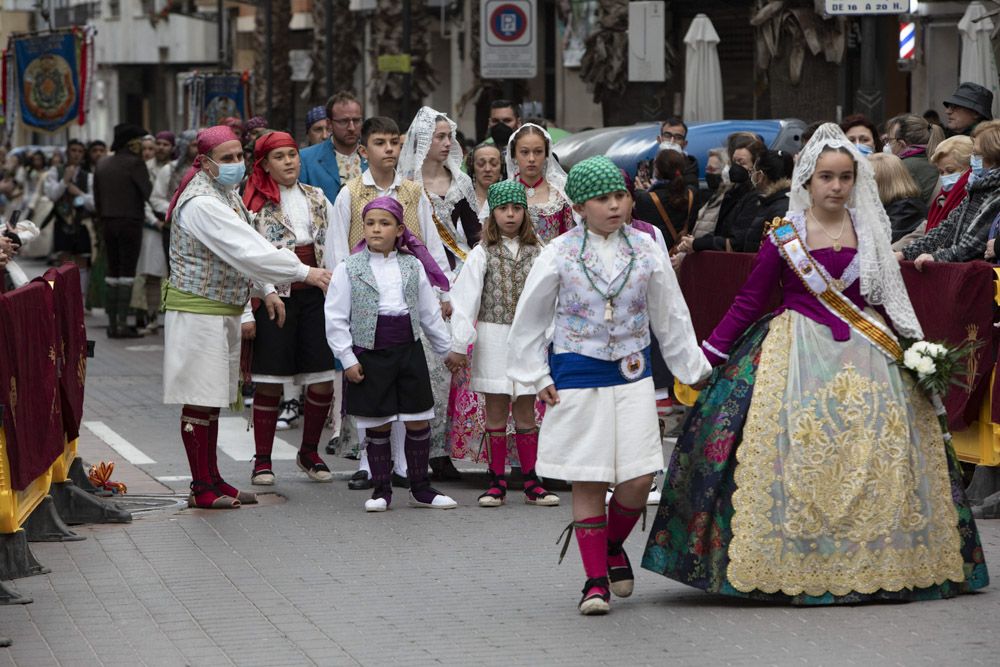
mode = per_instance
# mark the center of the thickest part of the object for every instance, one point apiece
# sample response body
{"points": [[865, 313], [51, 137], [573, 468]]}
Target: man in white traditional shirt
{"points": [[214, 253]]}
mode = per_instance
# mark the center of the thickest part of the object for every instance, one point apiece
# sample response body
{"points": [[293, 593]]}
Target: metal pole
{"points": [[221, 34], [268, 64], [869, 97], [404, 108], [328, 56]]}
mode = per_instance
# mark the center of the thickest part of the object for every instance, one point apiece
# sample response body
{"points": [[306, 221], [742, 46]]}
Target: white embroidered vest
{"points": [[580, 325]]}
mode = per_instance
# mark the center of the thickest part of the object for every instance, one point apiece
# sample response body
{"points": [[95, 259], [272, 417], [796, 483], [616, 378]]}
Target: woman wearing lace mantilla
{"points": [[530, 161], [432, 157], [812, 470]]}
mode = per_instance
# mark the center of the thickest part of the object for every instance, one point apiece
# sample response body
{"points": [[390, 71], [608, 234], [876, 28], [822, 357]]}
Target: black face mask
{"points": [[738, 174], [713, 181]]}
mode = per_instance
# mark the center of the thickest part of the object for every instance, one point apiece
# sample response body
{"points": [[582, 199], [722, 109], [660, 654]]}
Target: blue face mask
{"points": [[977, 164], [948, 181], [864, 149], [229, 174]]}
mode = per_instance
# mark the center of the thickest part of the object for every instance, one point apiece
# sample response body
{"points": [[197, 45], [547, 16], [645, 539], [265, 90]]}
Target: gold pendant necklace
{"points": [[837, 246]]}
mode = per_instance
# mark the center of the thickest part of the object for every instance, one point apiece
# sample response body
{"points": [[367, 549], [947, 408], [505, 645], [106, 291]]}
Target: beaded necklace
{"points": [[609, 296]]}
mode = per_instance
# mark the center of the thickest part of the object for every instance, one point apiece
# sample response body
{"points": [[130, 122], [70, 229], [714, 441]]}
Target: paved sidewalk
{"points": [[307, 578]]}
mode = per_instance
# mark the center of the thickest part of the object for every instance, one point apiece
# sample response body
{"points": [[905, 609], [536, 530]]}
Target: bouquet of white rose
{"points": [[938, 366]]}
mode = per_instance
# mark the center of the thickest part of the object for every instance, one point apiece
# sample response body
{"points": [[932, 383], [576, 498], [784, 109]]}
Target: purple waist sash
{"points": [[390, 331]]}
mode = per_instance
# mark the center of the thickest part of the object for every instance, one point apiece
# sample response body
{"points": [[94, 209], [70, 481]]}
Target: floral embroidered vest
{"points": [[193, 267], [504, 281], [580, 325], [408, 194], [272, 223], [364, 295]]}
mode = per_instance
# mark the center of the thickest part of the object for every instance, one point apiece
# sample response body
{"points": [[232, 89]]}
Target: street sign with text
{"points": [[861, 8], [508, 49]]}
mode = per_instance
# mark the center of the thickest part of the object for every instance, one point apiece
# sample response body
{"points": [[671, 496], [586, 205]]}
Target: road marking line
{"points": [[238, 444], [126, 449], [174, 478]]}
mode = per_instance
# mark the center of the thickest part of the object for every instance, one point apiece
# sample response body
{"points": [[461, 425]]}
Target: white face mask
{"points": [[671, 146], [864, 149], [887, 148], [948, 181]]}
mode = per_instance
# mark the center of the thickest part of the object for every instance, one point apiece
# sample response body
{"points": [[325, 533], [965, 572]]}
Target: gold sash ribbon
{"points": [[828, 291], [446, 237]]}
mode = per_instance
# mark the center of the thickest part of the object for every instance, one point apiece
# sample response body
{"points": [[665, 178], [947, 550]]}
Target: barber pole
{"points": [[907, 40]]}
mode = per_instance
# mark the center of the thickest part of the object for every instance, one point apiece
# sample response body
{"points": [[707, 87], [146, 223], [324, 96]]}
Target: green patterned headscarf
{"points": [[593, 177], [506, 192]]}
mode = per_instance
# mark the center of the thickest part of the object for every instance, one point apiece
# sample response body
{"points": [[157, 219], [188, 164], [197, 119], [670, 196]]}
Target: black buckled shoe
{"points": [[360, 481], [399, 481]]}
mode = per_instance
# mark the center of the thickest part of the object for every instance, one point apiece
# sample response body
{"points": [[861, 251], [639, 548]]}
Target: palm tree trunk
{"points": [[387, 27], [279, 116]]}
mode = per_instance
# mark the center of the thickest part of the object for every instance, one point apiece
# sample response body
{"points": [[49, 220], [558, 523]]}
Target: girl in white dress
{"points": [[484, 300]]}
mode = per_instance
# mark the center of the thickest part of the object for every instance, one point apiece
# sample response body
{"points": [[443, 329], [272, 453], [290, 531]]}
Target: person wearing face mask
{"points": [[739, 205], [952, 158], [121, 188], [771, 176], [962, 237], [215, 257], [673, 135], [862, 133], [717, 180]]}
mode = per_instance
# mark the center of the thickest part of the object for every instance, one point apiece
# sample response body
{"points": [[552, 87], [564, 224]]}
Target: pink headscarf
{"points": [[407, 243], [208, 139]]}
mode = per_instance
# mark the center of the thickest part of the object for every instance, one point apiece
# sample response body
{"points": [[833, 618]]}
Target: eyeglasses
{"points": [[674, 136], [345, 122]]}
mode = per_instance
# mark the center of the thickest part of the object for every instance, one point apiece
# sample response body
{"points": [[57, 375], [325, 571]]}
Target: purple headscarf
{"points": [[407, 243]]}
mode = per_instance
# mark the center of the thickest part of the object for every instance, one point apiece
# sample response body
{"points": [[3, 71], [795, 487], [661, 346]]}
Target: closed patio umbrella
{"points": [[702, 74], [978, 64]]}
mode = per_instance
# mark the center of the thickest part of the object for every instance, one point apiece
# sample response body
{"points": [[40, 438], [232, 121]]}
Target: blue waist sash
{"points": [[576, 371]]}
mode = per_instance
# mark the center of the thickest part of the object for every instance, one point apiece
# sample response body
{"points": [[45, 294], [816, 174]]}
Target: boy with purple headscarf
{"points": [[381, 299]]}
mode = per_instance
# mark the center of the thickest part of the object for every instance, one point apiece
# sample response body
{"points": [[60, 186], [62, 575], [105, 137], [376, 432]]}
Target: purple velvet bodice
{"points": [[769, 270]]}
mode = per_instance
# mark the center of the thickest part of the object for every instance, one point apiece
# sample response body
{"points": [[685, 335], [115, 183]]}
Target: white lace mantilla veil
{"points": [[553, 173], [881, 280], [418, 143]]}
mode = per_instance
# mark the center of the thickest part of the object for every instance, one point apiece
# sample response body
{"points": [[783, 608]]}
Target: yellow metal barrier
{"points": [[16, 506], [60, 468]]}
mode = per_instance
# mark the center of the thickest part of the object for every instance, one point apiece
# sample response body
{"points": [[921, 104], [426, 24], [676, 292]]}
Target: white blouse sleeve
{"points": [[670, 321], [527, 358], [338, 317], [160, 198], [338, 229], [238, 244], [466, 295], [430, 317]]}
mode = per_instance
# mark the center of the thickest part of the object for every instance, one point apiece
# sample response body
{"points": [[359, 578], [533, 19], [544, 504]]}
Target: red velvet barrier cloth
{"points": [[71, 354], [710, 281], [29, 386], [952, 302]]}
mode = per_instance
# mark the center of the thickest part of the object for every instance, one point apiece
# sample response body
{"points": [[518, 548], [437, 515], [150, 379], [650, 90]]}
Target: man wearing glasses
{"points": [[673, 134], [330, 164]]}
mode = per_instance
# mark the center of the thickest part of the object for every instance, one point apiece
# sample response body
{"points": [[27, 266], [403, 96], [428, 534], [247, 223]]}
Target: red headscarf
{"points": [[208, 139], [261, 188]]}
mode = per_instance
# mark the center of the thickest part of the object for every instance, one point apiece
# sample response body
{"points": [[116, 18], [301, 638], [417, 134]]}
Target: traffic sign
{"points": [[507, 40], [859, 8]]}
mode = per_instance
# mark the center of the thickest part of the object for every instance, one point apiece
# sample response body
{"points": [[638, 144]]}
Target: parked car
{"points": [[629, 145]]}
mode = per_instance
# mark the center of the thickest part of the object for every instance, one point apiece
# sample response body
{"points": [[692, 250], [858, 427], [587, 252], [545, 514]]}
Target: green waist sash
{"points": [[186, 302]]}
